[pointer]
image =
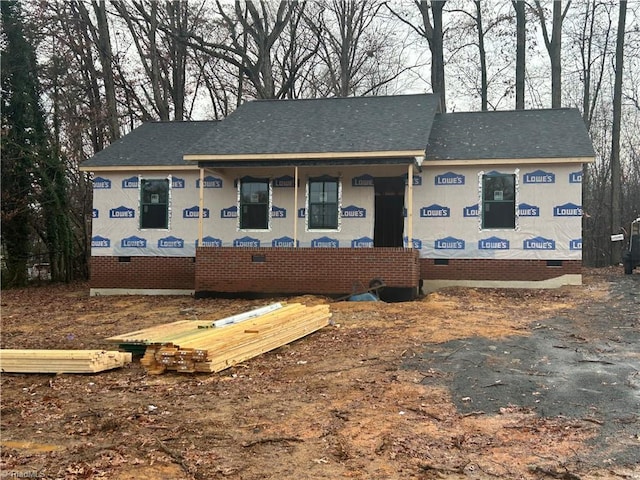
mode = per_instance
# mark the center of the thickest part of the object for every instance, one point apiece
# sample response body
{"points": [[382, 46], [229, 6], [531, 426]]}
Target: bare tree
{"points": [[521, 50], [359, 50], [102, 39], [554, 46], [616, 191], [255, 31], [432, 30]]}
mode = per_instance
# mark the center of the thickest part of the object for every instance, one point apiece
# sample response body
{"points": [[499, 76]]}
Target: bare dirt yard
{"points": [[462, 383]]}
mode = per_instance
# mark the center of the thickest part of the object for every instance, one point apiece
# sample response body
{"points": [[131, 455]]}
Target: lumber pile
{"points": [[210, 348], [61, 361]]}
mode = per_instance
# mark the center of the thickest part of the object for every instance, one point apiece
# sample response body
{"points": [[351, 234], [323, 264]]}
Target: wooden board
{"points": [[61, 361], [215, 349]]}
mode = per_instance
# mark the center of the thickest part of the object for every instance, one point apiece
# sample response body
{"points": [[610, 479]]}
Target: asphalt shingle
{"points": [[152, 144], [354, 124], [516, 134]]}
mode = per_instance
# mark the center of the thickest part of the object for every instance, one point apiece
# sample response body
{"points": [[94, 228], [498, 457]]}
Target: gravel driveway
{"points": [[583, 365]]}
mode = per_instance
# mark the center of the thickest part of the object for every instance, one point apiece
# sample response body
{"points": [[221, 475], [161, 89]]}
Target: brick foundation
{"points": [[327, 271], [499, 270], [150, 273]]}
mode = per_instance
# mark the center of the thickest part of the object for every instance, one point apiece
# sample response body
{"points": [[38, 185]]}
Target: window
{"points": [[323, 203], [254, 203], [154, 203], [498, 200]]}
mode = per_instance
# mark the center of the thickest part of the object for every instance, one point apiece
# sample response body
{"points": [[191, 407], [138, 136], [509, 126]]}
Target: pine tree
{"points": [[34, 184], [19, 138]]}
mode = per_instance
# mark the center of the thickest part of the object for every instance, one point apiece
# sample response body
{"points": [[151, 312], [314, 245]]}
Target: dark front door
{"points": [[389, 212]]}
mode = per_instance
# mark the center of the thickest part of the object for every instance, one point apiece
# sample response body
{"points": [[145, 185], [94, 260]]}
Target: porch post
{"points": [[295, 207], [410, 206], [201, 207]]}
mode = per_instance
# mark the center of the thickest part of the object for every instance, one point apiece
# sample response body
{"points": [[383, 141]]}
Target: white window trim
{"points": [[306, 208], [169, 203], [269, 207], [516, 227]]}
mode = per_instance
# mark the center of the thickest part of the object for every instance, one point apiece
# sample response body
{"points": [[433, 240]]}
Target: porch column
{"points": [[410, 206], [201, 207], [295, 207]]}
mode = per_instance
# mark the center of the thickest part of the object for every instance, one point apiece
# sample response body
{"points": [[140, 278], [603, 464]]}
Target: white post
{"points": [[201, 208], [295, 207], [410, 206]]}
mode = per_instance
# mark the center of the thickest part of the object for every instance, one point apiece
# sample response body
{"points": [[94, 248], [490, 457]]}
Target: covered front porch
{"points": [[290, 254]]}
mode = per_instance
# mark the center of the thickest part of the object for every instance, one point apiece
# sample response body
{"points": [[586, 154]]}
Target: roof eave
{"points": [[507, 161], [141, 168], [248, 157]]}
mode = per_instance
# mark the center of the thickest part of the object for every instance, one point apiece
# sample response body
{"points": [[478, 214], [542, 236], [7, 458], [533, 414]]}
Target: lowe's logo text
{"points": [[284, 242], [493, 243], [246, 242], [471, 211], [210, 182], [122, 212], [95, 213], [100, 242], [302, 212], [526, 210], [100, 183], [194, 212], [449, 178], [415, 243], [325, 242], [170, 242], [354, 212], [210, 241], [362, 181], [130, 182], [435, 210], [575, 244], [539, 176], [449, 243], [417, 180], [539, 243], [177, 182], [285, 181], [364, 242], [575, 177], [133, 242], [231, 212], [567, 210], [278, 212]]}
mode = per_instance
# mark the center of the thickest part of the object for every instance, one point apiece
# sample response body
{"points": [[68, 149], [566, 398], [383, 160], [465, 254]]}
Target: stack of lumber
{"points": [[61, 361], [198, 349]]}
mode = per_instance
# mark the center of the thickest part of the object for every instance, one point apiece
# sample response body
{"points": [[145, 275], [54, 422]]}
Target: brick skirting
{"points": [[150, 273], [327, 271], [491, 269]]}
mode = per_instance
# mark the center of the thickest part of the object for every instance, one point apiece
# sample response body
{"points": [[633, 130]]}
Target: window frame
{"points": [[484, 203], [267, 205], [142, 203], [338, 204]]}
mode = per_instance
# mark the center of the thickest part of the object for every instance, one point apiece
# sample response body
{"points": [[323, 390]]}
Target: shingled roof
{"points": [[153, 144], [359, 127], [316, 127], [517, 134]]}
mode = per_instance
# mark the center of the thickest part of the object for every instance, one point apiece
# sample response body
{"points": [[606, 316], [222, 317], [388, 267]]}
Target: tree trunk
{"points": [[106, 55], [434, 35], [555, 50], [554, 47], [616, 192], [483, 57], [521, 49]]}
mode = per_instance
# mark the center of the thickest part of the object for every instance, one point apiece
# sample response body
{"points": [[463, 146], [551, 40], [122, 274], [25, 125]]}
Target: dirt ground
{"points": [[462, 383]]}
